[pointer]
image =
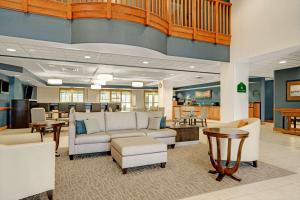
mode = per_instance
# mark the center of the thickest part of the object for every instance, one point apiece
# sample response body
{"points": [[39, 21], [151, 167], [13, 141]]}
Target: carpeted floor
{"points": [[96, 176]]}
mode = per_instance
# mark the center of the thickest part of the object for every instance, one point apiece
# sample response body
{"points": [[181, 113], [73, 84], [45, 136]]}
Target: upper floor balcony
{"points": [[200, 20]]}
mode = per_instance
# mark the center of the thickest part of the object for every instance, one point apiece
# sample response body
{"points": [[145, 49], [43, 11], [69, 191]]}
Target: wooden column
{"points": [[147, 8], [169, 16], [69, 11], [108, 15], [25, 5], [194, 14], [217, 20]]}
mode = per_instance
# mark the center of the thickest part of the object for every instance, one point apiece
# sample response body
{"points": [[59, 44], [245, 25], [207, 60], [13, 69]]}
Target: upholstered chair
{"points": [[27, 166], [203, 116], [250, 151]]}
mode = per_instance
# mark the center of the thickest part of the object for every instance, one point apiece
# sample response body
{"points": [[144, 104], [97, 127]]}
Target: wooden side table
{"points": [[225, 133], [56, 125], [186, 132]]}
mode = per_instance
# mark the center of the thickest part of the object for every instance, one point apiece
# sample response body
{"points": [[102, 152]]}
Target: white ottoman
{"points": [[138, 151]]}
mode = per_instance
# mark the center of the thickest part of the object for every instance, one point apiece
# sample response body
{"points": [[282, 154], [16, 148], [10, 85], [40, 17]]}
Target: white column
{"points": [[165, 97], [234, 105]]}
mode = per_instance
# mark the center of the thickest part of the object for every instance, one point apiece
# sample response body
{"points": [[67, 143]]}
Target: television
{"points": [[28, 92], [4, 86]]}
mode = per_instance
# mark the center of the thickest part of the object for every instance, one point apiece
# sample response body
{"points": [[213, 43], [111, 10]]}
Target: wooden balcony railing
{"points": [[201, 20]]}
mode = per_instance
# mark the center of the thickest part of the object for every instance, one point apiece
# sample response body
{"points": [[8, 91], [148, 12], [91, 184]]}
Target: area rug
{"points": [[96, 176]]}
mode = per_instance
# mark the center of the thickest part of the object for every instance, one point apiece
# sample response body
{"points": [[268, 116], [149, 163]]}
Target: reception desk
{"points": [[291, 115], [213, 111]]}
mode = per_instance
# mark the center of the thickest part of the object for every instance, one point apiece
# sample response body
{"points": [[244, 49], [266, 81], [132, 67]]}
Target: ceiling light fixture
{"points": [[87, 57], [192, 66], [105, 77], [172, 74], [32, 50], [54, 81], [11, 50], [283, 62], [137, 84], [99, 82], [145, 62], [96, 87]]}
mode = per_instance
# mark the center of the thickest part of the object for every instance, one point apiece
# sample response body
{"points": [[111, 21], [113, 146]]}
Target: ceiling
{"points": [[81, 63], [127, 63]]}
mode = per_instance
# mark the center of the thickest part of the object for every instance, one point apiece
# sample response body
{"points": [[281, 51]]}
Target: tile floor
{"points": [[276, 148]]}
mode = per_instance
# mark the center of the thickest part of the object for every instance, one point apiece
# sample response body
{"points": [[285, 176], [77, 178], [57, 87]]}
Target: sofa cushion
{"points": [[142, 118], [80, 127], [138, 146], [161, 133], [125, 133], [91, 126], [100, 137], [94, 115], [154, 123], [120, 121]]}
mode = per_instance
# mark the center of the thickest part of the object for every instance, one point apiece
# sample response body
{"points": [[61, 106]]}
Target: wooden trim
{"points": [[3, 128], [158, 16], [4, 108], [288, 90]]}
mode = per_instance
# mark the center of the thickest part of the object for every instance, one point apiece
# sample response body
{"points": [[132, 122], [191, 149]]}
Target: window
{"points": [[151, 99], [122, 97], [116, 96], [126, 100], [71, 95], [104, 96]]}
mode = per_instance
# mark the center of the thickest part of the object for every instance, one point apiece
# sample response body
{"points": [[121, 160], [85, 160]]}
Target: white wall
{"points": [[263, 26]]}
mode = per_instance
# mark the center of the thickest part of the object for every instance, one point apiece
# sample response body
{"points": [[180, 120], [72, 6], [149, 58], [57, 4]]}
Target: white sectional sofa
{"points": [[114, 125]]}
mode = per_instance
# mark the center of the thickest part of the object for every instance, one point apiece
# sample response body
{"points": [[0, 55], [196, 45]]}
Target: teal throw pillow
{"points": [[80, 127], [163, 122]]}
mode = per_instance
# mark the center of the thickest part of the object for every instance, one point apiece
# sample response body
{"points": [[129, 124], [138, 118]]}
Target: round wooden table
{"points": [[55, 125], [229, 134]]}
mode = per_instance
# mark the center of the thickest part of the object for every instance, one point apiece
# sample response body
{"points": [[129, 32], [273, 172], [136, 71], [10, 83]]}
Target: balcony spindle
{"points": [[147, 6]]}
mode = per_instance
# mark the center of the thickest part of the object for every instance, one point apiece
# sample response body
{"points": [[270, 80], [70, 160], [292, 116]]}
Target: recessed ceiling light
{"points": [[137, 84], [32, 50], [87, 57], [172, 74], [96, 87], [192, 66], [54, 81], [145, 62], [11, 50], [283, 62]]}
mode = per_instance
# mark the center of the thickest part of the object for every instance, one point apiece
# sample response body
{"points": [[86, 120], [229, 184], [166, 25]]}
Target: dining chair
{"points": [[203, 116]]}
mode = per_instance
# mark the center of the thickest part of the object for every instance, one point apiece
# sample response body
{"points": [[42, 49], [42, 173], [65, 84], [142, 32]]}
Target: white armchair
{"points": [[250, 151], [27, 166]]}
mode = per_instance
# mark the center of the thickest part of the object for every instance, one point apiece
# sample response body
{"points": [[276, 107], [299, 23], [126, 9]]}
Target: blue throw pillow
{"points": [[163, 122], [80, 127]]}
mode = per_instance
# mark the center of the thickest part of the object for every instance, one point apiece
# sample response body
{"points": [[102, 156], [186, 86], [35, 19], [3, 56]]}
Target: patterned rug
{"points": [[96, 176]]}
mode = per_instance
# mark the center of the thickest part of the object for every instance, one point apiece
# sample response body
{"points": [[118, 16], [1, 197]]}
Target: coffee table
{"points": [[229, 134], [186, 132], [56, 125]]}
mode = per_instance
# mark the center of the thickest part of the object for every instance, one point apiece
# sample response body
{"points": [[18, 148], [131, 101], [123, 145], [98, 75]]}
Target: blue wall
{"points": [[280, 79], [15, 92], [184, 92], [4, 102], [269, 100], [39, 27]]}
